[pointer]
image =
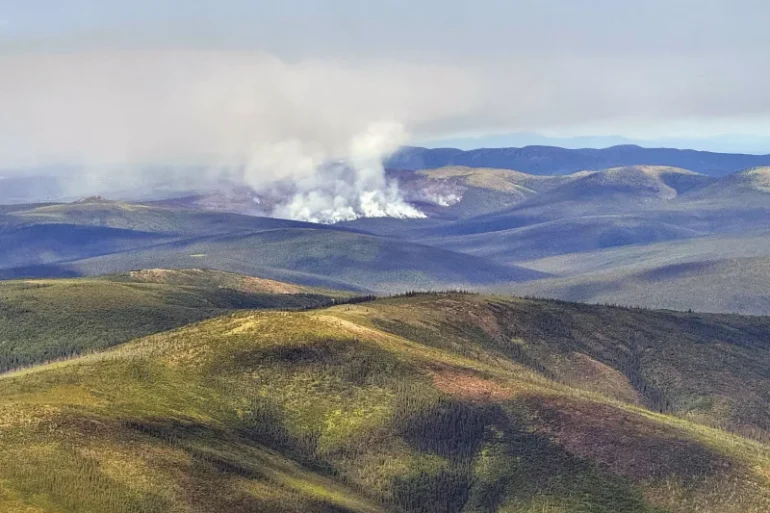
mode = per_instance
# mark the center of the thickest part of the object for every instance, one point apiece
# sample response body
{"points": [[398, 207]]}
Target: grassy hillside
{"points": [[497, 194], [655, 181], [703, 366], [475, 191], [754, 181], [503, 180], [521, 185], [436, 403], [757, 178], [619, 188], [47, 319]]}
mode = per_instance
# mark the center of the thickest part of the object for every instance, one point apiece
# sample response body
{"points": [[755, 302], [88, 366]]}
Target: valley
{"points": [[598, 236]]}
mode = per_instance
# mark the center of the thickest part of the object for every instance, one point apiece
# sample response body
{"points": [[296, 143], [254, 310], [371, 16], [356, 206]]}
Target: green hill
{"points": [[438, 403], [42, 320]]}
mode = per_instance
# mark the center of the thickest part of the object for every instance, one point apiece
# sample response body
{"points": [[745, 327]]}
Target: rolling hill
{"points": [[637, 182], [720, 273], [676, 196], [600, 232], [457, 192], [43, 244], [140, 217], [43, 320], [604, 233], [645, 257], [439, 403], [751, 182], [96, 237], [318, 258], [582, 234], [643, 191], [737, 285]]}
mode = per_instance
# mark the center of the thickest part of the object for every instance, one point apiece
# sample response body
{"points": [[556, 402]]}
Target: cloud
{"points": [[182, 106], [268, 118]]}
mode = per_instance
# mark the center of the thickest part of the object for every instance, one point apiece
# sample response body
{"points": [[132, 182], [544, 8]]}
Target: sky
{"points": [[284, 85]]}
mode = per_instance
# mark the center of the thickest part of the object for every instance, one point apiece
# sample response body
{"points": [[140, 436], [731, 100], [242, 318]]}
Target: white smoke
{"points": [[446, 200], [356, 187], [417, 189], [315, 131], [434, 197], [330, 188]]}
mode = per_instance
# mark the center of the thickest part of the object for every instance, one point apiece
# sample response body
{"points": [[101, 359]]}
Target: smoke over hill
{"points": [[353, 188], [316, 131]]}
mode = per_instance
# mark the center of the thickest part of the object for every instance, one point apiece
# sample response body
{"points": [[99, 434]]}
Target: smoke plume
{"points": [[355, 187], [315, 131]]}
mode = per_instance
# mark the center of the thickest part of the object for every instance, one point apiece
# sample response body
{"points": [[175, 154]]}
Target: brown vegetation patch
{"points": [[503, 180], [200, 277], [627, 443], [254, 285], [463, 312], [593, 375], [467, 384], [153, 275]]}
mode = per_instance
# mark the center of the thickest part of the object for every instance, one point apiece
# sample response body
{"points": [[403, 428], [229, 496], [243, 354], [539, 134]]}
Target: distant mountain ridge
{"points": [[552, 160]]}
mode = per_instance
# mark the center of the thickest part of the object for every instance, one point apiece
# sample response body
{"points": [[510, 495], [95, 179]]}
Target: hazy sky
{"points": [[182, 79], [448, 30]]}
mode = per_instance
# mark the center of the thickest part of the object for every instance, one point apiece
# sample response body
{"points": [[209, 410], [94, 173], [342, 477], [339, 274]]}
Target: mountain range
{"points": [[723, 143], [553, 160], [589, 235]]}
